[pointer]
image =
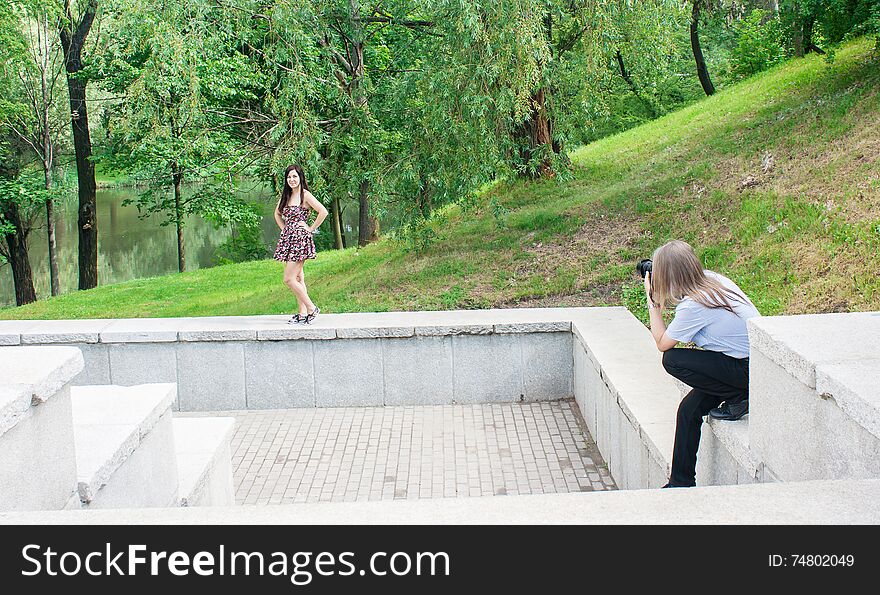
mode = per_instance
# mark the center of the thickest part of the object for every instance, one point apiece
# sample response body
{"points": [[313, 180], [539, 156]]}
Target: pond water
{"points": [[131, 247]]}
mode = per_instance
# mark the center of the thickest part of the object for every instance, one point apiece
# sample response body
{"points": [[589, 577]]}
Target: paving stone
{"points": [[310, 455]]}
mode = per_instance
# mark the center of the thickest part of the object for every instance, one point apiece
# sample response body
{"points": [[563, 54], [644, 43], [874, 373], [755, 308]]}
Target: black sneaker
{"points": [[730, 411], [308, 318]]}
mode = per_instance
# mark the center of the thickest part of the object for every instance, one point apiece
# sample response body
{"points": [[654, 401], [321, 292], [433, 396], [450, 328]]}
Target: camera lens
{"points": [[644, 267]]}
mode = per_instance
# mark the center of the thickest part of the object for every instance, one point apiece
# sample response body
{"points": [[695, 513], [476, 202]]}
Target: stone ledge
{"points": [[16, 403], [198, 442], [840, 502], [379, 332], [622, 350], [855, 387], [275, 328], [217, 335], [295, 332], [799, 343], [452, 330], [41, 332], [109, 424], [141, 330], [734, 436], [533, 327], [10, 331], [32, 375]]}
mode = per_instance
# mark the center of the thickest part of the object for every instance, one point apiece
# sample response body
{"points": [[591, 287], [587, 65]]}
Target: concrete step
{"points": [[724, 456], [125, 445], [204, 460], [37, 465]]}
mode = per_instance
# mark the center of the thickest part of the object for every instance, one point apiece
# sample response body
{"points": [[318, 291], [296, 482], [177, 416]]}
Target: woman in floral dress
{"points": [[296, 243]]}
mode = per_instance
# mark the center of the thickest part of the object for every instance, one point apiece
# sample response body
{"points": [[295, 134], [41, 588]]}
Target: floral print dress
{"points": [[295, 243]]}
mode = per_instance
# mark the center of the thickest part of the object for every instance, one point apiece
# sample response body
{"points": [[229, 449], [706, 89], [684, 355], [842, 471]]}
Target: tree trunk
{"points": [[85, 171], [624, 73], [72, 42], [702, 71], [368, 226], [50, 232], [798, 41], [536, 137], [48, 150], [22, 276], [178, 218], [337, 223], [425, 203], [807, 40]]}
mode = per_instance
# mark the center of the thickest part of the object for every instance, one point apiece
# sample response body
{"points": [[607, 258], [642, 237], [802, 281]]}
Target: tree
{"points": [[702, 69], [833, 20], [16, 222], [39, 125], [73, 32], [166, 65]]}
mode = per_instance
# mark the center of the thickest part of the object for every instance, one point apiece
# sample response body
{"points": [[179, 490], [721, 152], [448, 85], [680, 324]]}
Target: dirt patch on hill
{"points": [[601, 237], [597, 295]]}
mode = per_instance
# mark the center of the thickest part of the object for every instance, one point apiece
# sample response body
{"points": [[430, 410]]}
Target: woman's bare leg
{"points": [[302, 281], [292, 276]]}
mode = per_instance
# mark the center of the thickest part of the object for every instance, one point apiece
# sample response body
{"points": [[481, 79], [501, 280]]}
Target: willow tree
{"points": [[336, 59], [525, 62], [164, 62]]}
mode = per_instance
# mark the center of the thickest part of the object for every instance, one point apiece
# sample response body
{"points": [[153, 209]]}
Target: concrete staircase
{"points": [[101, 446]]}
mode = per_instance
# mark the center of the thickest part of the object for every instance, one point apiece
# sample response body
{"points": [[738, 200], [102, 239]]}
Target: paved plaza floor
{"points": [[384, 453]]}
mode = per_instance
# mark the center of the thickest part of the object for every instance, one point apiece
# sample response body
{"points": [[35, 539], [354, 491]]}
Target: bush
{"points": [[759, 44], [632, 296], [245, 243]]}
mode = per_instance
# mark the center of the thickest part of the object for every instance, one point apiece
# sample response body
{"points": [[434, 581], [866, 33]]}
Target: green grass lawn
{"points": [[775, 181]]}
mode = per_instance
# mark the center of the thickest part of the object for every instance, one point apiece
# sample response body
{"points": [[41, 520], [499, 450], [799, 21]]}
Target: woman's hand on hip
{"points": [[303, 225]]}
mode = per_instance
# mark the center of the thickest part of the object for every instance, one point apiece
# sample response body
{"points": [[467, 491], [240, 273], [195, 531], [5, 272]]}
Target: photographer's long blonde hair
{"points": [[677, 273]]}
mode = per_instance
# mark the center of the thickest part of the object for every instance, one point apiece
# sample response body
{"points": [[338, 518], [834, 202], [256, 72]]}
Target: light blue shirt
{"points": [[714, 329]]}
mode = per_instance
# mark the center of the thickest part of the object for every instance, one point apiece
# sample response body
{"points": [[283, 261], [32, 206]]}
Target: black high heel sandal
{"points": [[295, 319]]}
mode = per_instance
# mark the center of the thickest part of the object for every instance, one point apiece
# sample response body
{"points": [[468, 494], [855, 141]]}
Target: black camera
{"points": [[644, 267]]}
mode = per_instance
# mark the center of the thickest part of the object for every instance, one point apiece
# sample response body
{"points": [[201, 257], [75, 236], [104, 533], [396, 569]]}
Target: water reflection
{"points": [[130, 247]]}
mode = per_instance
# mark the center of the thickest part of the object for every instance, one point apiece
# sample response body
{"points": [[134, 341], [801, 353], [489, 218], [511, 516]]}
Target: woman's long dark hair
{"points": [[286, 190]]}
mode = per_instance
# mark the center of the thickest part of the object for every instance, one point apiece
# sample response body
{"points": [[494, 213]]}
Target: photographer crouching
{"points": [[710, 311]]}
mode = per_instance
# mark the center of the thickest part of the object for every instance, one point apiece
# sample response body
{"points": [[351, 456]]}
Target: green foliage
{"points": [[759, 44], [245, 244], [499, 212], [417, 235], [789, 250], [632, 295]]}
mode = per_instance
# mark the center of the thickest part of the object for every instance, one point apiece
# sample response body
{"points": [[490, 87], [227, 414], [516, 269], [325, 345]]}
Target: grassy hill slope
{"points": [[775, 181]]}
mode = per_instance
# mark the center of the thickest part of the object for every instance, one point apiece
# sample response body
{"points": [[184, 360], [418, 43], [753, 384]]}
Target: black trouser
{"points": [[714, 377]]}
